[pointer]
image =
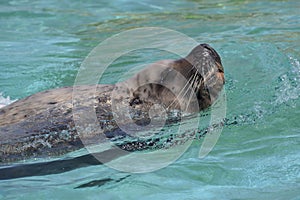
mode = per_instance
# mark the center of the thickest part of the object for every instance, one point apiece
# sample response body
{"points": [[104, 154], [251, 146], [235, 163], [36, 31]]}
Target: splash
{"points": [[290, 84], [4, 101], [279, 86]]}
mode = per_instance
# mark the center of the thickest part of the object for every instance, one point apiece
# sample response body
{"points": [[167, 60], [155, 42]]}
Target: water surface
{"points": [[257, 156]]}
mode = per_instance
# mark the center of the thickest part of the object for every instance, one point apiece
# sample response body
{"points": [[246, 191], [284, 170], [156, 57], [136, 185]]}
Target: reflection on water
{"points": [[257, 156]]}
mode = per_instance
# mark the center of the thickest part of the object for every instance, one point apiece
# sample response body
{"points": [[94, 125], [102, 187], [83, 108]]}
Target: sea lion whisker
{"points": [[188, 84], [181, 91], [196, 86], [189, 100], [210, 74]]}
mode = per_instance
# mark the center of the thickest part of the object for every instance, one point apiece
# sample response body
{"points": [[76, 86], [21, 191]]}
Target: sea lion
{"points": [[43, 124]]}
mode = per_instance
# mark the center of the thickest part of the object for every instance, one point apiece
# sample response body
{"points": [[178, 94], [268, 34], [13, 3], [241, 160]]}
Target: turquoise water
{"points": [[257, 156]]}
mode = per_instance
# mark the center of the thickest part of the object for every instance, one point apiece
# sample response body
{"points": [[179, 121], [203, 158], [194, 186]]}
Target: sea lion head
{"points": [[206, 61], [204, 71], [203, 75]]}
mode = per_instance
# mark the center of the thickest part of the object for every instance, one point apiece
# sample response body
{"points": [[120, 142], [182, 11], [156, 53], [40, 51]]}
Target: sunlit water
{"points": [[257, 156]]}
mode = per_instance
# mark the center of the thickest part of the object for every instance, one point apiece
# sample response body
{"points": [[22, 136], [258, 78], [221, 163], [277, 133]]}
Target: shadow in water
{"points": [[100, 182], [59, 166]]}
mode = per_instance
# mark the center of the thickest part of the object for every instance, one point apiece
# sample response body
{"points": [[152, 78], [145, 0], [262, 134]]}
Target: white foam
{"points": [[290, 87], [4, 101]]}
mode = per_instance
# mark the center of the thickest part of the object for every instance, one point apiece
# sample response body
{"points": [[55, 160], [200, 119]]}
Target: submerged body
{"points": [[43, 124]]}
